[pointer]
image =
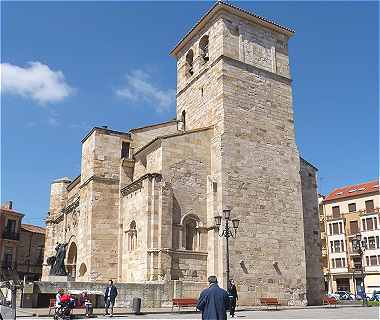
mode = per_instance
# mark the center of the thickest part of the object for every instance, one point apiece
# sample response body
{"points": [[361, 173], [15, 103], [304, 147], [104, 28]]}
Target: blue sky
{"points": [[109, 64]]}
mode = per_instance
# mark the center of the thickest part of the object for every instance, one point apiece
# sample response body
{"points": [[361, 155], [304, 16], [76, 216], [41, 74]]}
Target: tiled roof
{"points": [[11, 211], [353, 190], [32, 228]]}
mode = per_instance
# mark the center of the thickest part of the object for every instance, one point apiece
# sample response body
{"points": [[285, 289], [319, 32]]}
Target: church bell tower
{"points": [[233, 74]]}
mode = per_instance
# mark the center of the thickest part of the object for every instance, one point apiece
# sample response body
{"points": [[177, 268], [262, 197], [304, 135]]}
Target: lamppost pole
{"points": [[227, 232], [360, 246], [227, 253]]}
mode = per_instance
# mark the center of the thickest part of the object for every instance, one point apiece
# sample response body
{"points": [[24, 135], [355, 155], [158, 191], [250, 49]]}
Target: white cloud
{"points": [[36, 81], [139, 87]]}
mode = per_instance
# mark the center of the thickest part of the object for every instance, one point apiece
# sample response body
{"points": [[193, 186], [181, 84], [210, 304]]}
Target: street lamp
{"points": [[227, 232], [360, 246]]}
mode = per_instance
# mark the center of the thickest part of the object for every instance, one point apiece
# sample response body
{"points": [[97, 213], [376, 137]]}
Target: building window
{"points": [[132, 236], [369, 207], [336, 212], [189, 63], [373, 260], [125, 149], [357, 263], [203, 48], [372, 242], [369, 223], [336, 228], [337, 246], [183, 119], [338, 263], [354, 227], [352, 207], [367, 260], [11, 226], [191, 236]]}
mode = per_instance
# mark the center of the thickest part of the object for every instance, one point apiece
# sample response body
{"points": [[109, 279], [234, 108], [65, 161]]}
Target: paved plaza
{"points": [[340, 312]]}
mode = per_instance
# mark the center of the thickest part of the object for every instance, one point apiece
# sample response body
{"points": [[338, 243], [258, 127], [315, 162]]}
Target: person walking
{"points": [[109, 297], [233, 295], [213, 301]]}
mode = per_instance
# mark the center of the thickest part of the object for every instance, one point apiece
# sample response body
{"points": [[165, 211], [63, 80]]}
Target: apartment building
{"points": [[10, 225], [345, 214], [21, 246]]}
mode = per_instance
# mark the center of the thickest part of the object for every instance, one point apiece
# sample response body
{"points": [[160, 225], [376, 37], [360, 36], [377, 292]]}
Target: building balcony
{"points": [[355, 270], [336, 218], [353, 252], [339, 270], [370, 211], [11, 235]]}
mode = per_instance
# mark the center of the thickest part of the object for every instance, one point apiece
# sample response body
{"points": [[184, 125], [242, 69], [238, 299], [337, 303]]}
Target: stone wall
{"points": [[262, 185], [186, 170], [255, 161], [144, 135], [153, 294], [313, 245], [134, 207], [100, 204]]}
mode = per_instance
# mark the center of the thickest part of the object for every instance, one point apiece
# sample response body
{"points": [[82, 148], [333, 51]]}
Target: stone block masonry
{"points": [[146, 215]]}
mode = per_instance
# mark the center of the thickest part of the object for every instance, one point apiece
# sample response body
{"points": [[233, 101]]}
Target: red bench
{"points": [[270, 302], [329, 300], [184, 302]]}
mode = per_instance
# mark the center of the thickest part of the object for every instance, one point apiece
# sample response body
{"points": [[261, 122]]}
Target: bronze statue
{"points": [[57, 262]]}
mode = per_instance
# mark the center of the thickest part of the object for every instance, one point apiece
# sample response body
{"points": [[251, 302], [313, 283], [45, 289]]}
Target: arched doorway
{"points": [[72, 260]]}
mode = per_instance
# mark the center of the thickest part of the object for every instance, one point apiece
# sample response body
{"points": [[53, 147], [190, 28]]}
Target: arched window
{"points": [[189, 63], [203, 48], [190, 233], [132, 236]]}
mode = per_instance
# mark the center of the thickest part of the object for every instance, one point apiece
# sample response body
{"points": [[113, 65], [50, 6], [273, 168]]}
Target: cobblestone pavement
{"points": [[340, 312]]}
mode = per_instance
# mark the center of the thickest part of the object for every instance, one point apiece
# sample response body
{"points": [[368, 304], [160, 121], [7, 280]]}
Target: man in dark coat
{"points": [[109, 297], [232, 292], [213, 301]]}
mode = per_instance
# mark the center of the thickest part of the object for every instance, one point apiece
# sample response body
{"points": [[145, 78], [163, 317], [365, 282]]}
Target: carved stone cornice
{"points": [[177, 251], [99, 179], [241, 65], [136, 185]]}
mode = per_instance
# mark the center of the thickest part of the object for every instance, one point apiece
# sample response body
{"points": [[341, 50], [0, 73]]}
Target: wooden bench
{"points": [[269, 302], [184, 302], [329, 301]]}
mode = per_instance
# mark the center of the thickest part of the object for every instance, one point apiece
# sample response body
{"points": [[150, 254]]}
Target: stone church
{"points": [[142, 209]]}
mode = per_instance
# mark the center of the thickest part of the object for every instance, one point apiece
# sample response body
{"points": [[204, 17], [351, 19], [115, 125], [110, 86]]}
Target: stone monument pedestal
{"points": [[58, 278]]}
